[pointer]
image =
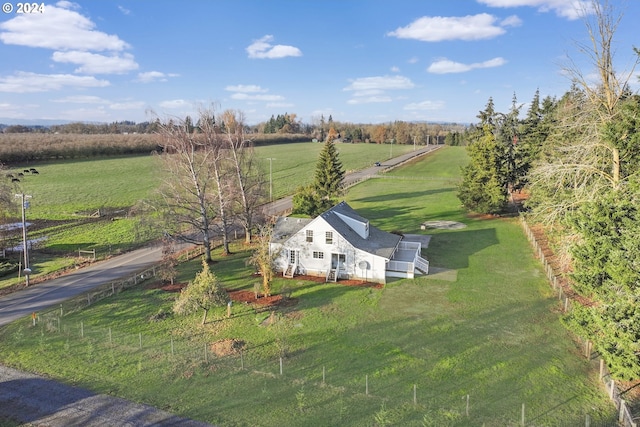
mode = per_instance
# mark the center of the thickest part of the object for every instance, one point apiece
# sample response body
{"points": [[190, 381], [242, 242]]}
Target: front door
{"points": [[337, 261]]}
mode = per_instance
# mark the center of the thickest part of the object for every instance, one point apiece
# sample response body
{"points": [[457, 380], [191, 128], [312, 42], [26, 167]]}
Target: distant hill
{"points": [[4, 122]]}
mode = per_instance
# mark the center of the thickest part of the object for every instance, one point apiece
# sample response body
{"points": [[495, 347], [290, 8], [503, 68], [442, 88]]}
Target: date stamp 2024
{"points": [[23, 8]]}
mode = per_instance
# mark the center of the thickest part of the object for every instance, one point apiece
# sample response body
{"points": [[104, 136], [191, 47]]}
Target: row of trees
{"points": [[579, 158], [400, 132], [212, 180]]}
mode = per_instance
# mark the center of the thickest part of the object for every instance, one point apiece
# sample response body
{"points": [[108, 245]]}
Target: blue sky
{"points": [[365, 61]]}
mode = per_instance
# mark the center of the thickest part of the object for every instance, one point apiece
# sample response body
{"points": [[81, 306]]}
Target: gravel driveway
{"points": [[35, 400]]}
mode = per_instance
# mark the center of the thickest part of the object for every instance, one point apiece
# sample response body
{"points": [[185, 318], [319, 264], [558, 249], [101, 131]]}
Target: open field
{"points": [[484, 330], [65, 194]]}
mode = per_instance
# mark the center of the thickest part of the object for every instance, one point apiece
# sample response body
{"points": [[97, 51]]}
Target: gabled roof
{"points": [[378, 243], [286, 227]]}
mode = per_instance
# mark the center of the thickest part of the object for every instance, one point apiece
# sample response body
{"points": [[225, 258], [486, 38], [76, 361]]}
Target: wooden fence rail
{"points": [[625, 418]]}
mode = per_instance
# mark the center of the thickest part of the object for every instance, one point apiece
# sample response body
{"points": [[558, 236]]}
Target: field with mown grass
{"points": [[66, 193], [483, 330]]}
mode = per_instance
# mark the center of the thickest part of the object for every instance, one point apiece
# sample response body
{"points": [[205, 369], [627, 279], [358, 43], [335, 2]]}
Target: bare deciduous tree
{"points": [[249, 178], [188, 200], [583, 160]]}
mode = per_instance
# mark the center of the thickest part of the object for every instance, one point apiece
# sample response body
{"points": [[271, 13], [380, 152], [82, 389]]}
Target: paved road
{"points": [[283, 205], [52, 292], [35, 400]]}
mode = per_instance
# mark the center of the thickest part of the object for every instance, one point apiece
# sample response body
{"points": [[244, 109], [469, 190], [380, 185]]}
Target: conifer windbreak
{"points": [[329, 177]]}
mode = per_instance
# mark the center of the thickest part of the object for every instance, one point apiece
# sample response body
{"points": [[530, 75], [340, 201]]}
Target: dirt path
{"points": [[34, 400]]}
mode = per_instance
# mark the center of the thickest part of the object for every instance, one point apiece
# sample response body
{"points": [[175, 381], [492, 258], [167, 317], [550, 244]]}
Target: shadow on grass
{"points": [[400, 196], [453, 249]]}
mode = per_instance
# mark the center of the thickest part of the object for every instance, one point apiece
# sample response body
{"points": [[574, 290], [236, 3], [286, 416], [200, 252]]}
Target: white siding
{"points": [[319, 267]]}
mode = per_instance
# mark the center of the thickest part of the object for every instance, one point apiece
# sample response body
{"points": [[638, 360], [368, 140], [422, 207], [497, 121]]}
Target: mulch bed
{"points": [[249, 297]]}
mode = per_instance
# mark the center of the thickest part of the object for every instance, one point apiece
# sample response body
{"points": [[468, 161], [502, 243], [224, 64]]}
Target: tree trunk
{"points": [[616, 168]]}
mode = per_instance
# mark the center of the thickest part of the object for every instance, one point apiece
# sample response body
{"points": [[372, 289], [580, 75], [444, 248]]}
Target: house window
{"points": [[292, 257], [309, 236], [329, 237], [318, 255]]}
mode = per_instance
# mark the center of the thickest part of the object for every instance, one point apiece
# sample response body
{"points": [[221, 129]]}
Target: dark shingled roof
{"points": [[286, 227], [379, 242]]}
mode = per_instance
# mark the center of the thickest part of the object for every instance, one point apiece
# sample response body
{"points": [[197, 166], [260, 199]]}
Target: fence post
{"points": [[81, 329], [523, 424], [280, 365], [611, 388], [623, 406], [366, 384], [323, 375], [601, 368]]}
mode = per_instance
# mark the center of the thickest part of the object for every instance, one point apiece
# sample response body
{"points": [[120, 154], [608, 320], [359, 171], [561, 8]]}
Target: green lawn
{"points": [[65, 193], [485, 327]]}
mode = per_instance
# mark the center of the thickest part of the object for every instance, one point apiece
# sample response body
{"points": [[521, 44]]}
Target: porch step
{"points": [[290, 271], [422, 265]]}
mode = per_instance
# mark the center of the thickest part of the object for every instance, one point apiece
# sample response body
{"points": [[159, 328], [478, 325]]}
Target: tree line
{"points": [[211, 179], [398, 132], [578, 158]]}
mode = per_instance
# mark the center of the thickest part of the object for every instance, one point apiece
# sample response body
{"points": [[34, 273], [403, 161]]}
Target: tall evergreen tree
{"points": [[482, 189], [329, 177], [327, 186]]}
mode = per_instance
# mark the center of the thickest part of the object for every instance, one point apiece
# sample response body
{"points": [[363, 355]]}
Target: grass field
{"points": [[65, 193], [483, 330]]}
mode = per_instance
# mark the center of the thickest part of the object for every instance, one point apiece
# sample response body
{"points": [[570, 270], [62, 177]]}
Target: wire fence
{"points": [[625, 417], [129, 354]]}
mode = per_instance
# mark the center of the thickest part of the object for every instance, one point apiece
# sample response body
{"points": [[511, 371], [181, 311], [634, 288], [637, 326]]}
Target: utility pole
{"points": [[271, 159], [25, 204]]}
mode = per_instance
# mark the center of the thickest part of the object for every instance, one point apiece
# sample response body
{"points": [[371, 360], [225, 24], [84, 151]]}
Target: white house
{"points": [[340, 244]]}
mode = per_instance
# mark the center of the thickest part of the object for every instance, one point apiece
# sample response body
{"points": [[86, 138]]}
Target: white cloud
{"points": [[369, 90], [245, 89], [94, 63], [131, 105], [368, 99], [60, 28], [82, 99], [25, 82], [446, 66], [395, 69], [262, 48], [570, 9], [124, 10], [439, 28], [175, 103], [247, 97], [154, 76], [511, 21], [424, 105], [379, 83], [280, 105]]}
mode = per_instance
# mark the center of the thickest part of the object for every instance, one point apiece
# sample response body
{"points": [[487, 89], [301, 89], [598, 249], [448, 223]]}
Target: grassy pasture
{"points": [[65, 192], [486, 328]]}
